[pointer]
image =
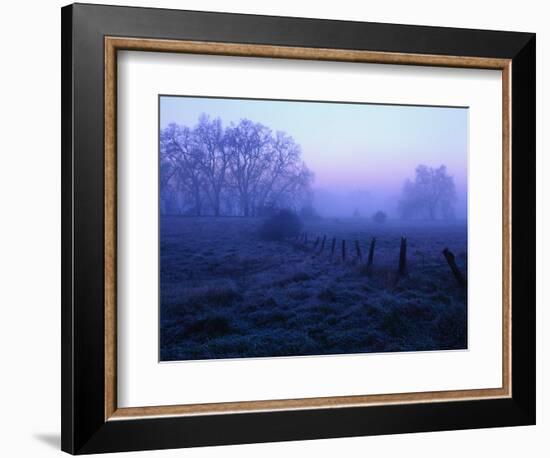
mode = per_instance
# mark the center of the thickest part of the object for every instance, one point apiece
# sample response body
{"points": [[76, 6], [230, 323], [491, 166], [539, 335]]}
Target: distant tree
{"points": [[431, 195], [356, 213], [379, 217]]}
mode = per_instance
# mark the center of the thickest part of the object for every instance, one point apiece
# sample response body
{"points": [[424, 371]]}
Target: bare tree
{"points": [[166, 184], [431, 195], [178, 152], [249, 160], [240, 170], [286, 176], [210, 140]]}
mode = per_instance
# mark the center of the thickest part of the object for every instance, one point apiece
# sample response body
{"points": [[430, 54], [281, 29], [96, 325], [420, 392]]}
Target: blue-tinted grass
{"points": [[225, 293]]}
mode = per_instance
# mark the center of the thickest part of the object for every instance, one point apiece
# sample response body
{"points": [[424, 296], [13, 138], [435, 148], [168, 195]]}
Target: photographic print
{"points": [[299, 228]]}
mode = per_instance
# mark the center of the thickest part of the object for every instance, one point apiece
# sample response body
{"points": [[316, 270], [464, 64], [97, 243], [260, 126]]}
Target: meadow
{"points": [[226, 293]]}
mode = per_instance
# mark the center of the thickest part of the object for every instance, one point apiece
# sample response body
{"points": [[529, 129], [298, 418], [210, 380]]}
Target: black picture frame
{"points": [[84, 428]]}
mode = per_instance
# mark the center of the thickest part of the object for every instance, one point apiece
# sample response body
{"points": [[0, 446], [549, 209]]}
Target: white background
{"points": [[144, 382], [30, 228]]}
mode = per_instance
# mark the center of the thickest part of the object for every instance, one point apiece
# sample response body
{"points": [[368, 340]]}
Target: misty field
{"points": [[226, 293]]}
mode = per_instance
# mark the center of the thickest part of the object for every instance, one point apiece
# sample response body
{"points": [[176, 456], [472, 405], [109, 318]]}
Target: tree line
{"points": [[244, 169]]}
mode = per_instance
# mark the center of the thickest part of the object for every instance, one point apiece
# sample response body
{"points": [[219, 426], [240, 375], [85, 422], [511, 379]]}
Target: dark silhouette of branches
{"points": [[180, 161], [241, 170]]}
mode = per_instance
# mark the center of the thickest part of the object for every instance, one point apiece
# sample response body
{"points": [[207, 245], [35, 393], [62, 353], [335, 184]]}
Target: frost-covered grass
{"points": [[226, 293]]}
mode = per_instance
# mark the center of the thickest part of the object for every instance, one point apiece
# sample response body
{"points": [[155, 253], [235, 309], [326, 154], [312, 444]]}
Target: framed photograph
{"points": [[281, 228]]}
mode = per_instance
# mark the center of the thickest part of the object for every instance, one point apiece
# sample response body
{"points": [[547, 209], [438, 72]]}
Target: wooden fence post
{"points": [[403, 257], [370, 260], [450, 257], [316, 243], [323, 244], [358, 251], [343, 250], [333, 246]]}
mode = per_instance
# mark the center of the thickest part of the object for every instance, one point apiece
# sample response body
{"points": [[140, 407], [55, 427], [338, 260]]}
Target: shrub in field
{"points": [[379, 217], [266, 210], [284, 224]]}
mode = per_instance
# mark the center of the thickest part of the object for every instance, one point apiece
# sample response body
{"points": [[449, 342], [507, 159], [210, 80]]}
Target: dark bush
{"points": [[266, 210], [379, 217], [284, 224]]}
